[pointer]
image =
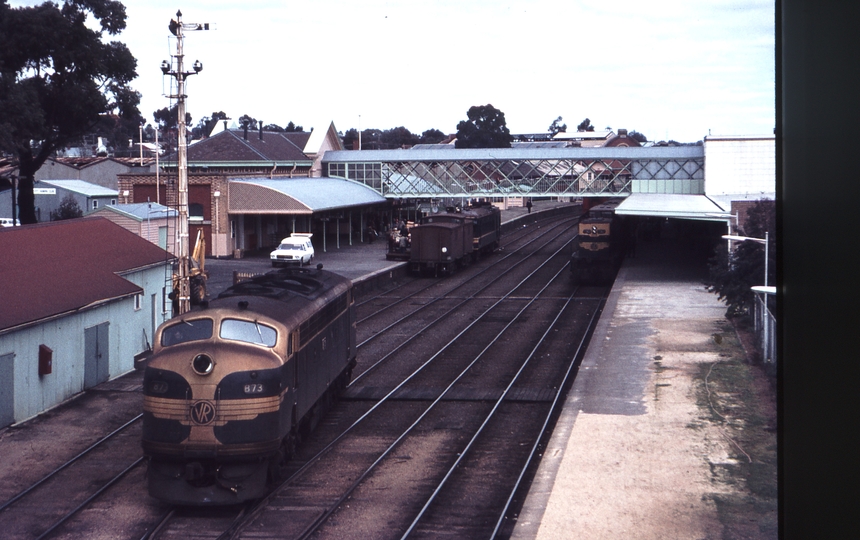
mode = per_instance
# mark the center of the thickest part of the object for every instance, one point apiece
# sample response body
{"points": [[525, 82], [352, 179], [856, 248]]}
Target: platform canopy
{"points": [[298, 195], [672, 206]]}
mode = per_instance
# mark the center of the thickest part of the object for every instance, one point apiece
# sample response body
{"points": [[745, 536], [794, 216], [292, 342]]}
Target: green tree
{"points": [[247, 122], [432, 136], [206, 124], [292, 128], [68, 209], [585, 125], [731, 275], [398, 137], [557, 127], [485, 128], [57, 77], [635, 135]]}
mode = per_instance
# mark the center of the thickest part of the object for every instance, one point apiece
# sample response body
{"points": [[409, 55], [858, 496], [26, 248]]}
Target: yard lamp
{"points": [[750, 239]]}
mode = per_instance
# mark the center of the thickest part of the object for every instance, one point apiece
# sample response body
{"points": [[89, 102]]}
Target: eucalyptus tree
{"points": [[57, 77]]}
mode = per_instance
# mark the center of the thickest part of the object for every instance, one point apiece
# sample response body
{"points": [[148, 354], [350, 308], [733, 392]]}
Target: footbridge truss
{"points": [[523, 172]]}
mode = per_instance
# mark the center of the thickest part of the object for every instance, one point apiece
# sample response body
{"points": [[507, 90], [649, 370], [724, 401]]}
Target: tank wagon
{"points": [[600, 245], [444, 241], [231, 388]]}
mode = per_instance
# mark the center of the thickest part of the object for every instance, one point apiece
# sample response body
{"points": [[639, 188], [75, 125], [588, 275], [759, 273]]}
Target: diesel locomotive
{"points": [[449, 239], [232, 387], [600, 245]]}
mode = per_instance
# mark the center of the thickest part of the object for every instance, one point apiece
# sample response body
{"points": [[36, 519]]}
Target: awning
{"points": [[297, 195], [672, 206]]}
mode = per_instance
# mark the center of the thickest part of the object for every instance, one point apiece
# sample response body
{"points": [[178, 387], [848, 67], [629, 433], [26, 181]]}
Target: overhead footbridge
{"points": [[523, 172]]}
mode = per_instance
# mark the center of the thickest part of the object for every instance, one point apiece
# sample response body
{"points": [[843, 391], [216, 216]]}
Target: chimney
{"points": [[261, 130], [246, 132], [622, 133]]}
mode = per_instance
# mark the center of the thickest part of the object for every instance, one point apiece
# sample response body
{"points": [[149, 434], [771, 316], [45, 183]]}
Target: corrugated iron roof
{"points": [[61, 266], [142, 211], [298, 195], [671, 205], [84, 188]]}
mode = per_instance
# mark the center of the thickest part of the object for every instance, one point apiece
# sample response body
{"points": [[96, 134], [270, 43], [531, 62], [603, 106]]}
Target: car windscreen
{"points": [[184, 331], [249, 332], [291, 246]]}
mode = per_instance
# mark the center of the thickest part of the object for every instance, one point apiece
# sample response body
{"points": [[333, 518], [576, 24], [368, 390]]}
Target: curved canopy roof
{"points": [[297, 195]]}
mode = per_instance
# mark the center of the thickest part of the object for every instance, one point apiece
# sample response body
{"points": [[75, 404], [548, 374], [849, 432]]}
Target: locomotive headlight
{"points": [[444, 250], [202, 364]]}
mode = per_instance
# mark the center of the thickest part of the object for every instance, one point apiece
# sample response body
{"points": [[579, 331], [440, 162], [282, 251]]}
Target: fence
{"points": [[765, 329]]}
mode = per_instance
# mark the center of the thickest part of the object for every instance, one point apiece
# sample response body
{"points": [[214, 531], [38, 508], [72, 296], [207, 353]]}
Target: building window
{"points": [[138, 298], [113, 202], [195, 212], [95, 204]]}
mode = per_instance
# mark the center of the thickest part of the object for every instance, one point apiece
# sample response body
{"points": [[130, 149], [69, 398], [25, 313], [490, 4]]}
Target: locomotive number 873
{"points": [[231, 388]]}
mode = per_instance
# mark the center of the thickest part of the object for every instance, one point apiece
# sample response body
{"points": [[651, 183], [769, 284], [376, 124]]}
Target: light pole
{"points": [[176, 27]]}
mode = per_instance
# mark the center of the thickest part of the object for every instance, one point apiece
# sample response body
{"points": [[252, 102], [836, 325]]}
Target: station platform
{"points": [[637, 452]]}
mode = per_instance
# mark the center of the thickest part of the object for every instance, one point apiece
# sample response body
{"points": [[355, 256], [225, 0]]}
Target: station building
{"points": [[249, 189]]}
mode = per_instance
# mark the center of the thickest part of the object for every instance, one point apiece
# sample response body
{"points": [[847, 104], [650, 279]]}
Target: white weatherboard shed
{"points": [[81, 298]]}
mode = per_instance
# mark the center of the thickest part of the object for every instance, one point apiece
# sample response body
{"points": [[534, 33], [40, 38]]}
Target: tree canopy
{"points": [[485, 128], [57, 77], [585, 125], [557, 127], [732, 274]]}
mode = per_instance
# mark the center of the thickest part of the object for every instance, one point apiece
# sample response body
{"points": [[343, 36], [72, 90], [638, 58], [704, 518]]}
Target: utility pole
{"points": [[176, 28]]}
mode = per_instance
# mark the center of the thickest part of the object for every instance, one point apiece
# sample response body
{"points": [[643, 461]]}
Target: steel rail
{"points": [[575, 361], [462, 453], [439, 298], [231, 533], [442, 317], [333, 507], [89, 499], [50, 475]]}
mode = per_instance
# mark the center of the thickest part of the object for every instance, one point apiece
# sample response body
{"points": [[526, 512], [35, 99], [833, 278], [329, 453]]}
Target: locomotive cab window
{"points": [[249, 332], [185, 331]]}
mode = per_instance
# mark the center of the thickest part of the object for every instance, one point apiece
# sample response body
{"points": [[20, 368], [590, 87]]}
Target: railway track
{"points": [[43, 508], [417, 448], [390, 461]]}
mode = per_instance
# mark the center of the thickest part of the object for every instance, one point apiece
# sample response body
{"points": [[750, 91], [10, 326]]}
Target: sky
{"points": [[669, 69]]}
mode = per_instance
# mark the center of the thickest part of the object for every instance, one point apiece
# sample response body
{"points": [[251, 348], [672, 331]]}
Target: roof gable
{"points": [[61, 266], [231, 146]]}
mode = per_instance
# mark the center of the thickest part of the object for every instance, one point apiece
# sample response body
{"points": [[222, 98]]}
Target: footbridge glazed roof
{"points": [[297, 195]]}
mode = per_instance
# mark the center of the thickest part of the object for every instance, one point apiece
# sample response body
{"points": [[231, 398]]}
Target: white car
{"points": [[7, 222], [296, 249]]}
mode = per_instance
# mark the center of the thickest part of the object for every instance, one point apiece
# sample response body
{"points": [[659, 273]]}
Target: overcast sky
{"points": [[668, 69]]}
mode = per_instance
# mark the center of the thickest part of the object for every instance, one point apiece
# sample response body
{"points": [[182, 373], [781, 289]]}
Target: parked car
{"points": [[7, 222], [296, 249]]}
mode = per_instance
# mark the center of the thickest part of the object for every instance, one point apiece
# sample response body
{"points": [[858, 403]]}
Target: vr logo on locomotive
{"points": [[203, 413]]}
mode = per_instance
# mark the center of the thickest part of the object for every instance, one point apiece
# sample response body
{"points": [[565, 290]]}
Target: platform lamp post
{"points": [[760, 241], [177, 27]]}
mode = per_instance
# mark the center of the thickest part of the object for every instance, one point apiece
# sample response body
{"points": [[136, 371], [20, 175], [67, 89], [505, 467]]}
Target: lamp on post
{"points": [[760, 241]]}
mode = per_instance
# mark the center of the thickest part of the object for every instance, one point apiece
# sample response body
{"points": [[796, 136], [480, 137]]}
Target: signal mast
{"points": [[177, 28]]}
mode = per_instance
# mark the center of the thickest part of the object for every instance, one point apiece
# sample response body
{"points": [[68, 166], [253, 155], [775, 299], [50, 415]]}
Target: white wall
{"points": [[740, 167]]}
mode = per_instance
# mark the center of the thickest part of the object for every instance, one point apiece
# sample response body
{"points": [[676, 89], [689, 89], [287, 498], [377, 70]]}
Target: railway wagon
{"points": [[231, 388], [444, 241], [600, 245]]}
